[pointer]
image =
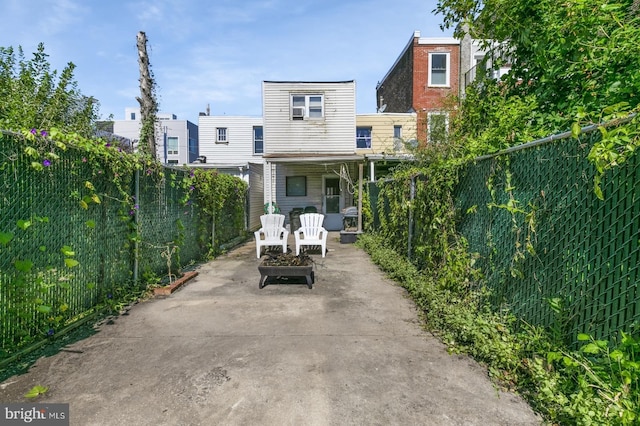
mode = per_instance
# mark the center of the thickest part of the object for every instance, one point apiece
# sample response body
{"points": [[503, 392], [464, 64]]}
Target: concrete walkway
{"points": [[221, 351]]}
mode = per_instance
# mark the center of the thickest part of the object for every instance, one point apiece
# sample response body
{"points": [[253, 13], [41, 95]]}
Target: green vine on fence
{"points": [[220, 196], [523, 220], [619, 127], [32, 284]]}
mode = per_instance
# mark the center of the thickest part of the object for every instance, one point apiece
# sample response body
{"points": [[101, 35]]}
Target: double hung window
{"points": [[221, 135], [439, 69], [363, 137], [305, 107], [258, 140]]}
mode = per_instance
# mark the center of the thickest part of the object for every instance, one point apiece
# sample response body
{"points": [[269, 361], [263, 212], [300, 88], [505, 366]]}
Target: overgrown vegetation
{"points": [[595, 385], [32, 96], [222, 198], [573, 64], [46, 130]]}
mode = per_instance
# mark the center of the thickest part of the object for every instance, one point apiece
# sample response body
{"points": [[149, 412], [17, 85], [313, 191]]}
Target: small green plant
{"points": [[36, 391]]}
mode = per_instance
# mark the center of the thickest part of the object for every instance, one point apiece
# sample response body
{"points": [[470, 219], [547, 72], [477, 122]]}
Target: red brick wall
{"points": [[426, 98], [406, 88]]}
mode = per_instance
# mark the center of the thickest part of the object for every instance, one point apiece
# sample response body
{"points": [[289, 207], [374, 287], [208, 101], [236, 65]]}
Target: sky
{"points": [[217, 52]]}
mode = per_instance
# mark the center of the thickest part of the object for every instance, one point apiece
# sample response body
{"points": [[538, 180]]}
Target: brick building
{"points": [[427, 71]]}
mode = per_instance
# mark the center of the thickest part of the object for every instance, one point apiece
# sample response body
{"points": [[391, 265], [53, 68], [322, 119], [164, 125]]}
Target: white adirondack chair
{"points": [[311, 232], [272, 233]]}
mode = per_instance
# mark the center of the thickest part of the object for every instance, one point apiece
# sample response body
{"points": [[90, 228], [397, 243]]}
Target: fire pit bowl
{"points": [[285, 266]]}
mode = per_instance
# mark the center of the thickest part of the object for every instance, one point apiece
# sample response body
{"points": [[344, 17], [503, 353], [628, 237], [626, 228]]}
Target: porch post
{"points": [[360, 177], [268, 186]]}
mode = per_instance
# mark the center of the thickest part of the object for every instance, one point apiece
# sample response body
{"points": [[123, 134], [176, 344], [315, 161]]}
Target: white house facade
{"points": [[230, 143], [310, 159]]}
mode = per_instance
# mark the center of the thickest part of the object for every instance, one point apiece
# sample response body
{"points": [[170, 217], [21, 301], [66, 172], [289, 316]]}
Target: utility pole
{"points": [[147, 100]]}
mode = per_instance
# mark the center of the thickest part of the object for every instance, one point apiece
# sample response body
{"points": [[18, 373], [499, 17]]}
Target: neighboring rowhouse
{"points": [[425, 74], [310, 159], [429, 74], [176, 140], [234, 145], [230, 144], [385, 139]]}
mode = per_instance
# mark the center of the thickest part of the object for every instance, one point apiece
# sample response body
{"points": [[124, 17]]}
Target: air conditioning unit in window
{"points": [[297, 113]]}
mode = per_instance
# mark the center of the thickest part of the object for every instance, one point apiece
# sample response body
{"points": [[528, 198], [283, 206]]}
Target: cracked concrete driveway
{"points": [[221, 351]]}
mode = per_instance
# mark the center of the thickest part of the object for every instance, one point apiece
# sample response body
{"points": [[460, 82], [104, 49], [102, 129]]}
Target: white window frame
{"points": [[365, 139], [222, 135], [430, 122], [307, 107], [447, 73], [256, 140]]}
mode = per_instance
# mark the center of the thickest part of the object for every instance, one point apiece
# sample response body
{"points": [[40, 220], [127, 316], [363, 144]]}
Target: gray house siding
{"points": [[238, 150], [315, 175], [166, 126], [334, 133]]}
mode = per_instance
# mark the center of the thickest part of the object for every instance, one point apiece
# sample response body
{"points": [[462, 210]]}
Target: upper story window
{"points": [[258, 140], [221, 135], [305, 107], [397, 132], [132, 116], [363, 137], [397, 138], [439, 69], [172, 145]]}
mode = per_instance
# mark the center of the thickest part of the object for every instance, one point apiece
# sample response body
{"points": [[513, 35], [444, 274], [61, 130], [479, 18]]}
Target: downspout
{"points": [[269, 187]]}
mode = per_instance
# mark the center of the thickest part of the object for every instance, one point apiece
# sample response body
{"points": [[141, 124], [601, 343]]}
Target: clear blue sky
{"points": [[217, 52]]}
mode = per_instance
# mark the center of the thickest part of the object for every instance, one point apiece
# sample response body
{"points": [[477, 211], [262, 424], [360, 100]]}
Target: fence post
{"points": [[136, 218]]}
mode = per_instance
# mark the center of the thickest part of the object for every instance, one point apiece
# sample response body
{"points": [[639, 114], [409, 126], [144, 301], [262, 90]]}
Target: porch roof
{"points": [[311, 158]]}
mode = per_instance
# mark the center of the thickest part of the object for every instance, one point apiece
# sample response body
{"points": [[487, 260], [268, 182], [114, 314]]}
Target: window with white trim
{"points": [[305, 107], [363, 137], [258, 140], [172, 145], [221, 135], [438, 69], [437, 127]]}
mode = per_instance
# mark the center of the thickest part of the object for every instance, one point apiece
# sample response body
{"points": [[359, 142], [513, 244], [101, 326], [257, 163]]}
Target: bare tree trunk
{"points": [[147, 100]]}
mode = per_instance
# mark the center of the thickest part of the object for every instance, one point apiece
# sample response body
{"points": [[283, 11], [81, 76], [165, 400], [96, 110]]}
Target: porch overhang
{"points": [[389, 157], [312, 158]]}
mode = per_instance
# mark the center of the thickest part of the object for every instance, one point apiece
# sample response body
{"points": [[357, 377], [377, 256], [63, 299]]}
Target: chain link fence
{"points": [[549, 250], [60, 260]]}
